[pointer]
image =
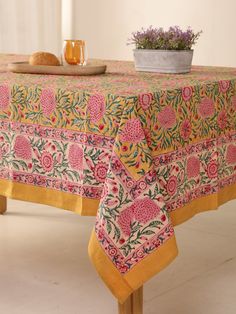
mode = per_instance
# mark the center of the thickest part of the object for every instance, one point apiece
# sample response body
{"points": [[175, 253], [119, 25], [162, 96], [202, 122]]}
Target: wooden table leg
{"points": [[126, 307], [3, 204], [134, 303], [137, 301]]}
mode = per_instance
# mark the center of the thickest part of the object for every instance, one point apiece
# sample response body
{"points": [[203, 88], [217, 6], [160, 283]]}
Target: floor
{"points": [[44, 266]]}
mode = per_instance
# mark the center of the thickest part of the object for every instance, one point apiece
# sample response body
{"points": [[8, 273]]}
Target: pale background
{"points": [[30, 25]]}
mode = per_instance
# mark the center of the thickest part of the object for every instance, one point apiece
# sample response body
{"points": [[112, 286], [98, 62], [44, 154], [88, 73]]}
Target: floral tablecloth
{"points": [[142, 151]]}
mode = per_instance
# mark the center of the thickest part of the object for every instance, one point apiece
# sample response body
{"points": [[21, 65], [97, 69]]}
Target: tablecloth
{"points": [[141, 151]]}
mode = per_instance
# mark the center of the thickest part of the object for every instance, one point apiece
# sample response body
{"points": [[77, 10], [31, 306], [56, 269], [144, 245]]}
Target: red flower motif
{"points": [[167, 117], [125, 219], [145, 210], [96, 107], [163, 218], [212, 169], [193, 167], [100, 172], [116, 165], [122, 241], [231, 154], [129, 184], [112, 251], [48, 101], [222, 119], [171, 186], [4, 97], [206, 108], [114, 189], [224, 86], [140, 253], [101, 234], [30, 179], [145, 100], [47, 161], [75, 157], [142, 185], [132, 131], [148, 137], [22, 147], [187, 93], [185, 129], [233, 101], [122, 268]]}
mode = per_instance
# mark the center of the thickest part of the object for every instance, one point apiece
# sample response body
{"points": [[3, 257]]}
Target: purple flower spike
{"points": [[157, 38]]}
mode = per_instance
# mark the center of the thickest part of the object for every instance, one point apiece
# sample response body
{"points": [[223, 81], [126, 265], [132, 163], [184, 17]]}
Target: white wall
{"points": [[30, 25], [106, 25]]}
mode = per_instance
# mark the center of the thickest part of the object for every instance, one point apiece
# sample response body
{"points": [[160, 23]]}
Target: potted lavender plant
{"points": [[164, 51]]}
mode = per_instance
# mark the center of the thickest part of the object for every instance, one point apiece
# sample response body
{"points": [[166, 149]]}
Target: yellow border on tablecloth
{"points": [[123, 286], [120, 286], [205, 203], [42, 195]]}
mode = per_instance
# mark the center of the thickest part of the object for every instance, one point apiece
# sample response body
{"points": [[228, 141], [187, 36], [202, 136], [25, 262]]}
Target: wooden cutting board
{"points": [[89, 69]]}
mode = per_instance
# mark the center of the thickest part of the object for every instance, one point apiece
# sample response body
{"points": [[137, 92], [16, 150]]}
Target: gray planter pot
{"points": [[163, 61]]}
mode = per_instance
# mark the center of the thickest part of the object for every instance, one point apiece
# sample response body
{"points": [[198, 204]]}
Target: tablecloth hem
{"points": [[122, 286], [205, 203], [28, 193]]}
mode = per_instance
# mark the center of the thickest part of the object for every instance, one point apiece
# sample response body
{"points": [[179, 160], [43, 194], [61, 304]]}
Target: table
{"points": [[141, 151]]}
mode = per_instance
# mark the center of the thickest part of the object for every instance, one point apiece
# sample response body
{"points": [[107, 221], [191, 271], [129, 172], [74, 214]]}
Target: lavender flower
{"points": [[157, 38]]}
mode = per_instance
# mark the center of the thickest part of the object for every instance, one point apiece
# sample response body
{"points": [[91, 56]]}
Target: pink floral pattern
{"points": [[167, 118], [100, 171], [4, 97], [47, 161], [224, 86], [142, 210], [233, 100], [145, 210], [76, 156], [145, 100], [212, 169], [125, 219], [132, 131], [148, 136], [185, 129], [231, 154], [22, 147], [193, 167], [171, 186], [206, 108], [187, 93], [222, 119], [96, 107], [48, 101], [140, 145]]}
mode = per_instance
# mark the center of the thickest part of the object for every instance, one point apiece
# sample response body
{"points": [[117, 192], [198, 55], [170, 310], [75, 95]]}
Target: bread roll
{"points": [[43, 58]]}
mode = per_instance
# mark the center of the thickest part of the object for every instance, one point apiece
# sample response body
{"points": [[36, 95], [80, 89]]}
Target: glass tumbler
{"points": [[74, 52]]}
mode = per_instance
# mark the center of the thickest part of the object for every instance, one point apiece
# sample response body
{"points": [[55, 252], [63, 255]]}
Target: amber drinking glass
{"points": [[74, 52]]}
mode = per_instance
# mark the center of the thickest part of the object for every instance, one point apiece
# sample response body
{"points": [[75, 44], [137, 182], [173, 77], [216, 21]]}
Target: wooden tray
{"points": [[89, 69]]}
